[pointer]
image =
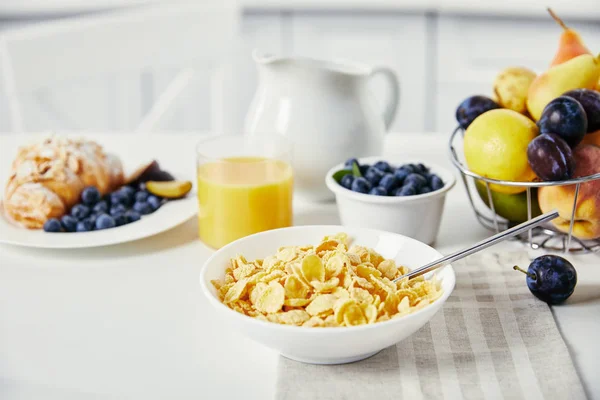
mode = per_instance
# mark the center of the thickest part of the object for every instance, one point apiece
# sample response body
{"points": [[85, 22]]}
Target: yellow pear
{"points": [[570, 45], [511, 87], [581, 72]]}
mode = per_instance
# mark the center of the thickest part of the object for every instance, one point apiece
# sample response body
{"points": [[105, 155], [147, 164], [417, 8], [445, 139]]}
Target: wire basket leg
{"points": [[529, 232], [568, 246], [489, 193]]}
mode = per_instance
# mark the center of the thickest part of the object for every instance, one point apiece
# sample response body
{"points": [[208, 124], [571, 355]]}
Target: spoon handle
{"points": [[492, 240]]}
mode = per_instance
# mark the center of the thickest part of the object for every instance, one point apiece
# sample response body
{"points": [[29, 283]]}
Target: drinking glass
{"points": [[245, 186]]}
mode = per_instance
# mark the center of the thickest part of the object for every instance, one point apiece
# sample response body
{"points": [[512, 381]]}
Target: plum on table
{"points": [[550, 278]]}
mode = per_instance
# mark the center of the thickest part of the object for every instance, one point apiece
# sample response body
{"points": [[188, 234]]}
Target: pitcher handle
{"points": [[389, 113]]}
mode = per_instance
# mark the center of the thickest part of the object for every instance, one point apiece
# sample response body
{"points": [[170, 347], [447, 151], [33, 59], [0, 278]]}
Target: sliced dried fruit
{"points": [[169, 189], [149, 172]]}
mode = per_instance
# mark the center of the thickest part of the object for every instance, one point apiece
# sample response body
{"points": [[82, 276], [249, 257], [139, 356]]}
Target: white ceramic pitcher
{"points": [[326, 110]]}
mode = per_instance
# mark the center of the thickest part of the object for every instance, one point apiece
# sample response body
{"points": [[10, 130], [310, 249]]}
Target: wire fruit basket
{"points": [[545, 237]]}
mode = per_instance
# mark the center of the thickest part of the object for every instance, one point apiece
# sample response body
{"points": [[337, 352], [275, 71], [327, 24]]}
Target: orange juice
{"points": [[241, 196]]}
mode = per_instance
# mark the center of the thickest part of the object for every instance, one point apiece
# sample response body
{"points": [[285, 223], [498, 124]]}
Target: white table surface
{"points": [[129, 321]]}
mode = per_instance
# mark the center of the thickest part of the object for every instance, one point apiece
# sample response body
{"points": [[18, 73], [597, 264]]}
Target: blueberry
{"points": [[69, 223], [119, 197], [90, 196], [350, 161], [401, 174], [53, 225], [346, 181], [142, 186], [117, 209], [92, 218], [364, 168], [141, 196], [383, 166], [374, 175], [84, 225], [80, 211], [378, 191], [121, 219], [132, 216], [436, 182], [101, 207], [424, 189], [389, 182], [409, 167], [550, 278], [406, 190], [422, 169], [142, 208], [361, 185], [154, 202], [129, 191], [416, 179], [105, 221]]}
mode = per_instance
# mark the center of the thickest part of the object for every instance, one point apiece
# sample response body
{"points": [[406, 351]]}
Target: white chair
{"points": [[196, 39]]}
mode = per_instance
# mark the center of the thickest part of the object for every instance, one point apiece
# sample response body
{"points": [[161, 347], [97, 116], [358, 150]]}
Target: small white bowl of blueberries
{"points": [[396, 196]]}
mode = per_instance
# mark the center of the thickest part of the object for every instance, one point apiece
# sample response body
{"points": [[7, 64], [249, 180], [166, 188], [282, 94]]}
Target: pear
{"points": [[511, 87], [581, 72], [570, 44]]}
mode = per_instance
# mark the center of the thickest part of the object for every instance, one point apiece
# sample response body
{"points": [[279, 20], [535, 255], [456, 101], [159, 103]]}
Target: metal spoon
{"points": [[499, 237]]}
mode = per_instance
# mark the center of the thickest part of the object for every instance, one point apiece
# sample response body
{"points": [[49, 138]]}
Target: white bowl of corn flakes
{"points": [[320, 296]]}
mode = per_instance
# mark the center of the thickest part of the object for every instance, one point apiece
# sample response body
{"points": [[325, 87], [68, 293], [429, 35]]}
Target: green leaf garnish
{"points": [[340, 174], [356, 170]]}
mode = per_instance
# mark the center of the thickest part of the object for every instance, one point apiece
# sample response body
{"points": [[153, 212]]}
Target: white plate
{"points": [[170, 215]]}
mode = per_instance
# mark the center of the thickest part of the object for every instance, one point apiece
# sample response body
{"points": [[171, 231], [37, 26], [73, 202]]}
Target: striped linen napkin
{"points": [[491, 340]]}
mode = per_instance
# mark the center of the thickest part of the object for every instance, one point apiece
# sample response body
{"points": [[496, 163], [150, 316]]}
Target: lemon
{"points": [[495, 146]]}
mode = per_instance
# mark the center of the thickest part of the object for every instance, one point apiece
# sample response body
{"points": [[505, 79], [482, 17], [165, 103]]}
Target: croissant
{"points": [[47, 178]]}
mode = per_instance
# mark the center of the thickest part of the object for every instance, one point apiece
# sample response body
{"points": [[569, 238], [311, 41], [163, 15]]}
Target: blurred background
{"points": [[119, 65]]}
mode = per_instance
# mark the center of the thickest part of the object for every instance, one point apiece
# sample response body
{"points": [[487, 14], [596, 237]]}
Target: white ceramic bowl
{"points": [[325, 345], [416, 216]]}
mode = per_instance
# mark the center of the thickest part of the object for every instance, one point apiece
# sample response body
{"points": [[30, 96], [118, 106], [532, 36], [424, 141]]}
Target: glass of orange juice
{"points": [[245, 186]]}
